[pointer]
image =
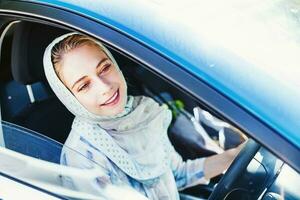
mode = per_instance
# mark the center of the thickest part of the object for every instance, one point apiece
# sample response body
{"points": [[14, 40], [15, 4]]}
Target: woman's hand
{"points": [[216, 164]]}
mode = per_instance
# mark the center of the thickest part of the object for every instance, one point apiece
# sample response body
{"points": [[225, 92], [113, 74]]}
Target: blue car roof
{"points": [[247, 50]]}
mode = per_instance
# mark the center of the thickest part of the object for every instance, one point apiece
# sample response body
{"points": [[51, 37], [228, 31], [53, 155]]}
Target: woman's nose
{"points": [[103, 86]]}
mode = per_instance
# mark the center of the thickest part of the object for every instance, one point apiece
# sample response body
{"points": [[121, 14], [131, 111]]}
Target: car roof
{"points": [[247, 50]]}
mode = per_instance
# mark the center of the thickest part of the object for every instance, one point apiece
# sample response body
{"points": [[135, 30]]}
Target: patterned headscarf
{"points": [[134, 139]]}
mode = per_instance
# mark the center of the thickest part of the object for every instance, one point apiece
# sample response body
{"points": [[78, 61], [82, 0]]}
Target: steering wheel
{"points": [[237, 167]]}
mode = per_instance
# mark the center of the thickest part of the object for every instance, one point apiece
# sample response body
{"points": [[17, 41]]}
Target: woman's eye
{"points": [[83, 87], [105, 68]]}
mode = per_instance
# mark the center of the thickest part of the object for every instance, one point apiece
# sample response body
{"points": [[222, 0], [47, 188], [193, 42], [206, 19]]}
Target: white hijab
{"points": [[135, 139]]}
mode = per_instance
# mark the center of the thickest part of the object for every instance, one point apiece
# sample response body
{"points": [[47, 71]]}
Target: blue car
{"points": [[236, 62]]}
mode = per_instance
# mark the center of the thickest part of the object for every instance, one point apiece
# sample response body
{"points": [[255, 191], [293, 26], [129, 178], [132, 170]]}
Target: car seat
{"points": [[45, 113]]}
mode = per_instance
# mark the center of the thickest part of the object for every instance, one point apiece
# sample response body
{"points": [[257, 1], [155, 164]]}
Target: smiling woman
{"points": [[125, 135], [95, 79]]}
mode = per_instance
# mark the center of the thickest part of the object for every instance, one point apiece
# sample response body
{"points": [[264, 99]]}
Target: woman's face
{"points": [[94, 80]]}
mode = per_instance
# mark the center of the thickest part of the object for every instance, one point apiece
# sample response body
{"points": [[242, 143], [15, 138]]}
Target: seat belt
{"points": [[2, 142]]}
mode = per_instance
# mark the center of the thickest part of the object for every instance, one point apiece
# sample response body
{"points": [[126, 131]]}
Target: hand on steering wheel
{"points": [[237, 167]]}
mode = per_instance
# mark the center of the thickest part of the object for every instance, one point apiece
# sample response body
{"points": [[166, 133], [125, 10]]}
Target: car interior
{"points": [[28, 100], [29, 106]]}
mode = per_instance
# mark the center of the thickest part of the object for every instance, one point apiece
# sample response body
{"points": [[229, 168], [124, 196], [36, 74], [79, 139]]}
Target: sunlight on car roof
{"points": [[263, 33]]}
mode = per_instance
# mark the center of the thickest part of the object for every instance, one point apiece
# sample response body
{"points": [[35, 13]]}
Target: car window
{"points": [[31, 125]]}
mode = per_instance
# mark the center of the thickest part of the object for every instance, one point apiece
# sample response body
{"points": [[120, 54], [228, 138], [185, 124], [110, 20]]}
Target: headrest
{"points": [[28, 45]]}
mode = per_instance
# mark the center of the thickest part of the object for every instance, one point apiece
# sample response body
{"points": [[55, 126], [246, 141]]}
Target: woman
{"points": [[125, 135]]}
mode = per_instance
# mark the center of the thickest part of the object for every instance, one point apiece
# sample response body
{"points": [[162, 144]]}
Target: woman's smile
{"points": [[113, 100]]}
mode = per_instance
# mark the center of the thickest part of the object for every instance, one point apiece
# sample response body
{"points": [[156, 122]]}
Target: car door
{"points": [[197, 89]]}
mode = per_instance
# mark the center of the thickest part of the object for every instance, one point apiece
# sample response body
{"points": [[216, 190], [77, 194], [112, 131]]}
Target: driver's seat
{"points": [[47, 116]]}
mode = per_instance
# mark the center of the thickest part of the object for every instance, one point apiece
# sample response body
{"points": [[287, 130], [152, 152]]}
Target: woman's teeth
{"points": [[112, 98]]}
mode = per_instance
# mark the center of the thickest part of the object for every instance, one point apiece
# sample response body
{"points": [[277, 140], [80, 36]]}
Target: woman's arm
{"points": [[216, 164], [199, 171]]}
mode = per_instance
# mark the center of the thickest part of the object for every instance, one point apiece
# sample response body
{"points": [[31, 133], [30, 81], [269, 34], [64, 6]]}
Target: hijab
{"points": [[135, 140]]}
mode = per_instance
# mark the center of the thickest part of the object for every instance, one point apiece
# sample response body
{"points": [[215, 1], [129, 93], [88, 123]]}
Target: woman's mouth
{"points": [[113, 100]]}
